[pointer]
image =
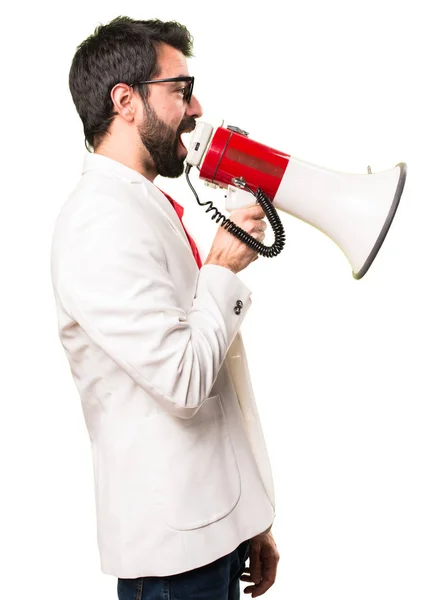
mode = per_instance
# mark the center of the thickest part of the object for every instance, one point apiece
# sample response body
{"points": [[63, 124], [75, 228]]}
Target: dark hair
{"points": [[122, 51]]}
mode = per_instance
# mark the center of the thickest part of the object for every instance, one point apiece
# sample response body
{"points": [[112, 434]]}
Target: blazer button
{"points": [[238, 306]]}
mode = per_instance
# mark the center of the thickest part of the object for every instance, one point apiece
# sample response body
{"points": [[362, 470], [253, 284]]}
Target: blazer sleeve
{"points": [[113, 281]]}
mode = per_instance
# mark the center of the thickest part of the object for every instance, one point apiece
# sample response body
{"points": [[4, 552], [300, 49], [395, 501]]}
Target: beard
{"points": [[162, 142]]}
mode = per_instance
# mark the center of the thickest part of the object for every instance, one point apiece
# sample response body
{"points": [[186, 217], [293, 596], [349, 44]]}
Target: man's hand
{"points": [[262, 570], [229, 251]]}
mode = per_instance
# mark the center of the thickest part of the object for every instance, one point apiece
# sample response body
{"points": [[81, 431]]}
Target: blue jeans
{"points": [[220, 580]]}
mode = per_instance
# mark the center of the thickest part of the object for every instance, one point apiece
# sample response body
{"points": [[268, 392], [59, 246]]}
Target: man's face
{"points": [[167, 115], [163, 142]]}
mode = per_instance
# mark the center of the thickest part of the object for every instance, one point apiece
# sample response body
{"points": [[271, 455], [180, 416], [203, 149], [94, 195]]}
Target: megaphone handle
{"points": [[270, 213], [274, 220]]}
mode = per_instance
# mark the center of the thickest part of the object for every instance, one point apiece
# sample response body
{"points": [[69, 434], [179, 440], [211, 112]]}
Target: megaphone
{"points": [[354, 210]]}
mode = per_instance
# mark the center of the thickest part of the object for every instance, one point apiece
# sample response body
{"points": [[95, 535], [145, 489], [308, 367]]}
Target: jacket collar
{"points": [[113, 168]]}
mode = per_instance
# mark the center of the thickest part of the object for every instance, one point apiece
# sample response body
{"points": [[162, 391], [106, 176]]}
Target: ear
{"points": [[123, 99]]}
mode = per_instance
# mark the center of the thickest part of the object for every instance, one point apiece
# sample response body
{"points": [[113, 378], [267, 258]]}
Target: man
{"points": [[184, 492]]}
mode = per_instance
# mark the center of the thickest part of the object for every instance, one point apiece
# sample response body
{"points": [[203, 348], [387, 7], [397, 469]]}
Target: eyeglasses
{"points": [[187, 93]]}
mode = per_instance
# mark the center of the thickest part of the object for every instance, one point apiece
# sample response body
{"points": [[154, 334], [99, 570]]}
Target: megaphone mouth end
{"points": [[392, 210]]}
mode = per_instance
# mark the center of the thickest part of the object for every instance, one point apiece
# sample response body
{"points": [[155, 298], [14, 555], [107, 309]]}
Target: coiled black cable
{"points": [[270, 213]]}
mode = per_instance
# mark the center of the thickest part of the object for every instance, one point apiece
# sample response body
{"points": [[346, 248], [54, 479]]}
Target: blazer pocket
{"points": [[197, 481]]}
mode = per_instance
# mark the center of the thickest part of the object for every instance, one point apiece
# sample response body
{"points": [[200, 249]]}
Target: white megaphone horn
{"points": [[354, 210]]}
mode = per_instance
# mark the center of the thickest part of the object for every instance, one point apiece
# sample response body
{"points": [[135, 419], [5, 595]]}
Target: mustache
{"points": [[187, 125]]}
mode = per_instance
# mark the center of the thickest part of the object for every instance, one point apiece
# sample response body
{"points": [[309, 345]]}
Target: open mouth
{"points": [[185, 136], [184, 139]]}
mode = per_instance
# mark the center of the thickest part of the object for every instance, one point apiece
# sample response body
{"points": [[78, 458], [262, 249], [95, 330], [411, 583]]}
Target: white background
{"points": [[337, 364]]}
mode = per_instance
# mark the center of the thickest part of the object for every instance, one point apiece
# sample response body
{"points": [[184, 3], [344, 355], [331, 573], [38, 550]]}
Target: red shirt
{"points": [[179, 210]]}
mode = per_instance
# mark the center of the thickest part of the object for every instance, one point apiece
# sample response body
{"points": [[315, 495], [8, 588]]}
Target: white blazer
{"points": [[181, 470]]}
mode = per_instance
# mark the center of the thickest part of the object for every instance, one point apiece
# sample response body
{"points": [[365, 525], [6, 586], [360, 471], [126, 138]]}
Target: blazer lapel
{"points": [[162, 204]]}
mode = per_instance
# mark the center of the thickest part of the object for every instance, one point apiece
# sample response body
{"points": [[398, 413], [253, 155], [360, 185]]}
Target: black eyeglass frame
{"points": [[188, 90]]}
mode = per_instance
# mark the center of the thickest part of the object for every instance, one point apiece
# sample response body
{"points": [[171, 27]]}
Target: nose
{"points": [[194, 108]]}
